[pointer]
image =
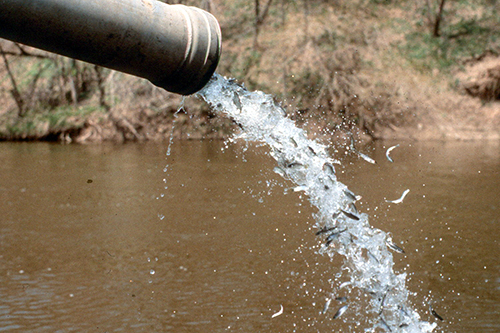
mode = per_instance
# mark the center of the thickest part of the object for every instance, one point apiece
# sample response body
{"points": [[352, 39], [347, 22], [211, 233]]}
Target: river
{"points": [[90, 239]]}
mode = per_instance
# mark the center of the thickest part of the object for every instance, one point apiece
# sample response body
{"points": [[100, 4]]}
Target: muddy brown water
{"points": [[90, 241]]}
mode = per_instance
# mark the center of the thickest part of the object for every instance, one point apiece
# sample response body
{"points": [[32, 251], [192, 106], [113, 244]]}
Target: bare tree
{"points": [[18, 98], [435, 17], [260, 16], [439, 16]]}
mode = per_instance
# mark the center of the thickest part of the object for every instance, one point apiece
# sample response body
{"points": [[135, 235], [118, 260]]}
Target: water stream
{"points": [[366, 292]]}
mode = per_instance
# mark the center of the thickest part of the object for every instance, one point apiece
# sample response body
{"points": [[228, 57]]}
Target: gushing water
{"points": [[367, 271]]}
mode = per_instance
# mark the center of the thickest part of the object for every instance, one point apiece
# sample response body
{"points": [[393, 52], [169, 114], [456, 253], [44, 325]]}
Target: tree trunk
{"points": [[259, 19], [16, 94], [437, 22]]}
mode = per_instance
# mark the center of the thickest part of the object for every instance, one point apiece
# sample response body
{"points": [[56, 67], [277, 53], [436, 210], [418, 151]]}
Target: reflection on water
{"points": [[82, 247]]}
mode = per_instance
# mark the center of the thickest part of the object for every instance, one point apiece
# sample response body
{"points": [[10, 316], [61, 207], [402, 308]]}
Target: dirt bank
{"points": [[374, 70]]}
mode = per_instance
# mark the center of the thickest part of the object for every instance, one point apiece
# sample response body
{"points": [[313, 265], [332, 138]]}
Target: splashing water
{"points": [[368, 262]]}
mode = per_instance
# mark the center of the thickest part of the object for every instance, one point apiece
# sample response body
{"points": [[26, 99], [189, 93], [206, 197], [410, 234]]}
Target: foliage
{"points": [[322, 59], [462, 37], [45, 123]]}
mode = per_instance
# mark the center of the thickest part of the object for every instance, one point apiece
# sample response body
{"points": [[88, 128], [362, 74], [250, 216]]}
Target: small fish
{"points": [[363, 156], [402, 309], [384, 324], [340, 312], [311, 150], [237, 101], [341, 299], [294, 165], [372, 256], [434, 313], [277, 106], [400, 200], [403, 325], [350, 215], [366, 158], [280, 312], [388, 151], [390, 244], [350, 195], [238, 124], [352, 143], [279, 171], [328, 168], [344, 284], [327, 305], [382, 303], [300, 188], [332, 236], [325, 230], [354, 208]]}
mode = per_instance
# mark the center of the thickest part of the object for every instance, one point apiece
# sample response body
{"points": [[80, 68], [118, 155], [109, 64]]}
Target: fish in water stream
{"points": [[390, 244], [388, 151], [340, 312], [325, 230], [350, 215], [400, 200], [360, 154], [306, 163], [327, 305]]}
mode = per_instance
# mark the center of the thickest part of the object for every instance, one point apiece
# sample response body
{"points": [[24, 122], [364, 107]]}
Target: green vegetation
{"points": [[471, 29], [357, 65]]}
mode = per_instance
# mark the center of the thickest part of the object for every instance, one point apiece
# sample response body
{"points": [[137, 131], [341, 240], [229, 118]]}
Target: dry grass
{"points": [[339, 66]]}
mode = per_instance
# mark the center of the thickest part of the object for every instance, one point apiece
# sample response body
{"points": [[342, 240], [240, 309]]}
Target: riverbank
{"points": [[372, 69]]}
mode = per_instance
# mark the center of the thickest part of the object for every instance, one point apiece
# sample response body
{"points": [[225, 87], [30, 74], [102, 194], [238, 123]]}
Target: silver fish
{"points": [[434, 313], [403, 311], [384, 324], [237, 101], [294, 143], [311, 150], [278, 107], [327, 305], [279, 171], [382, 303], [332, 236], [372, 256], [400, 200], [340, 312], [328, 168], [300, 188], [354, 208], [325, 230], [280, 312], [366, 158], [344, 284], [350, 215], [390, 244], [388, 151], [349, 194], [294, 165]]}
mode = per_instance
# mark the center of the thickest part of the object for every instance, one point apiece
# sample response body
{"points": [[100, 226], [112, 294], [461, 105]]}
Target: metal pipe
{"points": [[174, 46]]}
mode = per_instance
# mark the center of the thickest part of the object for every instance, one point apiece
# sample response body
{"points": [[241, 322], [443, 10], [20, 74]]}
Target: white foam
{"points": [[369, 263]]}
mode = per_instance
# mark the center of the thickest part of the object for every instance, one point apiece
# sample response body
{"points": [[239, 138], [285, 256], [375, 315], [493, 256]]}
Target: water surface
{"points": [[88, 242]]}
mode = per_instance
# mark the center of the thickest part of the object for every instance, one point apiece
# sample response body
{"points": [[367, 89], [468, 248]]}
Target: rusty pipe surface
{"points": [[175, 47]]}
